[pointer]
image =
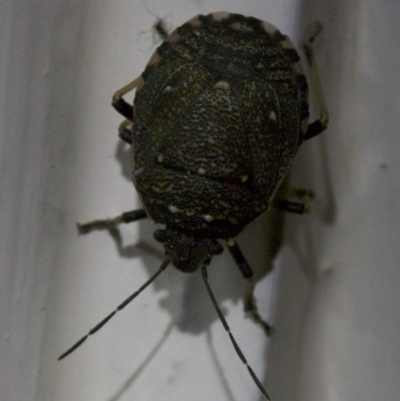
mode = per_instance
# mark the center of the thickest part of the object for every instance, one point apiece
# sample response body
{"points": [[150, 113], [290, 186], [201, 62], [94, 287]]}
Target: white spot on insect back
{"points": [[201, 171], [269, 28], [241, 27], [138, 171], [173, 209], [272, 116], [220, 15], [222, 85], [244, 178], [208, 218], [135, 173], [160, 158], [233, 220]]}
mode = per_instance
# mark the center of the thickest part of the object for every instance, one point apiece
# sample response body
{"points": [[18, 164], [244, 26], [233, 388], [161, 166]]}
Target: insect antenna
{"points": [[228, 330], [119, 307]]}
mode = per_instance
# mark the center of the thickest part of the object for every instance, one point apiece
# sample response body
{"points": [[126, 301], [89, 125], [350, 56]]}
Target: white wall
{"points": [[336, 330]]}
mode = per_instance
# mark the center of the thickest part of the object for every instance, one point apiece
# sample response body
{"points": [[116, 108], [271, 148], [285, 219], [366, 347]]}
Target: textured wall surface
{"points": [[333, 295]]}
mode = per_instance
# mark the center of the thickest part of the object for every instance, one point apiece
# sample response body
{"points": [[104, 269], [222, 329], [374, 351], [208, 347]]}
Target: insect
{"points": [[219, 113]]}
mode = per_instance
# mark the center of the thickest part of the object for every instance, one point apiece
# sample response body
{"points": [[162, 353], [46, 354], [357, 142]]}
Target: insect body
{"points": [[218, 115]]}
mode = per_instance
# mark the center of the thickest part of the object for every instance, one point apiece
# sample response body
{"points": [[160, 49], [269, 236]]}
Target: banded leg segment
{"points": [[250, 304], [125, 131], [228, 330], [113, 223], [321, 124], [119, 104], [304, 195]]}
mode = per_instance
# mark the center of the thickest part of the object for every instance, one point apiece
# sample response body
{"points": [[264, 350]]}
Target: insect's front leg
{"points": [[112, 224], [250, 304], [119, 104]]}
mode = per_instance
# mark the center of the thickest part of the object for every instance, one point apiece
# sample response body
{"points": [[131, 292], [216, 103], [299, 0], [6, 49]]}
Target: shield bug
{"points": [[219, 113]]}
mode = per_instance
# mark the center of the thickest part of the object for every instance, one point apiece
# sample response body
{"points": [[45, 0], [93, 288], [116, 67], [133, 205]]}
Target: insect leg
{"points": [[228, 330], [250, 304], [125, 131], [295, 207], [111, 224], [289, 206], [320, 125], [120, 104]]}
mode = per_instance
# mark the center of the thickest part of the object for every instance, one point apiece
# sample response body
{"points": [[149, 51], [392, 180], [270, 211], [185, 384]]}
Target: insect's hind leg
{"points": [[113, 223], [321, 124], [304, 195], [250, 305], [120, 104]]}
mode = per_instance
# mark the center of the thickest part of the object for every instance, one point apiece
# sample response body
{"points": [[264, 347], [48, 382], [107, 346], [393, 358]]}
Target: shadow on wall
{"points": [[299, 263]]}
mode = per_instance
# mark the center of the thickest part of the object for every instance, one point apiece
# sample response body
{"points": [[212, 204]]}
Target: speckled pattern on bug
{"points": [[218, 117]]}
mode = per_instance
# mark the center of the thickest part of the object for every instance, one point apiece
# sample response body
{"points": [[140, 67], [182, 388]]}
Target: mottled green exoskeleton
{"points": [[218, 116]]}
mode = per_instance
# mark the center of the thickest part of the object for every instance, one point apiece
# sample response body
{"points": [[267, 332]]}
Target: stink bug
{"points": [[218, 116]]}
